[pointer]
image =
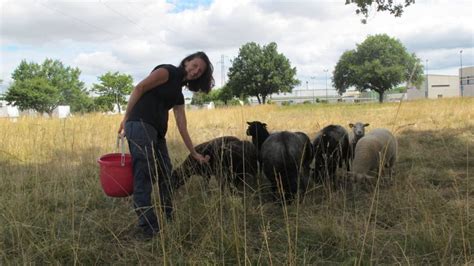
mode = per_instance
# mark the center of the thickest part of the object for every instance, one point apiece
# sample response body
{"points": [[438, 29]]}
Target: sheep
{"points": [[242, 158], [358, 131], [331, 149], [377, 148], [285, 158], [233, 159]]}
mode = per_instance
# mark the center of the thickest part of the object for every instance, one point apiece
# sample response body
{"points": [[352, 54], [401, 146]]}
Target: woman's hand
{"points": [[121, 130], [200, 158]]}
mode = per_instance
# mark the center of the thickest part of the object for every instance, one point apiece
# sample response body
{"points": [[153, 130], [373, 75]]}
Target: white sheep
{"points": [[377, 148], [358, 131]]}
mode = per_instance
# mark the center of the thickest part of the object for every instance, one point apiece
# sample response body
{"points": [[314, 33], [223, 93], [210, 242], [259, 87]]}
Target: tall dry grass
{"points": [[52, 208]]}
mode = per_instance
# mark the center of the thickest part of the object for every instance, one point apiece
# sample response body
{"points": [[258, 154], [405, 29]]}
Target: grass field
{"points": [[53, 210]]}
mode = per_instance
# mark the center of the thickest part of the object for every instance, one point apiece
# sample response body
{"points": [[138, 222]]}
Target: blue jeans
{"points": [[151, 163]]}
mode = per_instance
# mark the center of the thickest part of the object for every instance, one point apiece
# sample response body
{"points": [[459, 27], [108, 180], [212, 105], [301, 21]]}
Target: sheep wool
{"points": [[378, 147]]}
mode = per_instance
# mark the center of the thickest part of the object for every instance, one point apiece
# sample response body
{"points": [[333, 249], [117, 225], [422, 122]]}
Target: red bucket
{"points": [[116, 175]]}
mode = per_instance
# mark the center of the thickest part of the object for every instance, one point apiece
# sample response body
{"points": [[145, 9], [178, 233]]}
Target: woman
{"points": [[145, 125]]}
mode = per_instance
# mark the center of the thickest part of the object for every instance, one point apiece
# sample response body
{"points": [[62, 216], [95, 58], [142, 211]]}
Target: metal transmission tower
{"points": [[222, 62]]}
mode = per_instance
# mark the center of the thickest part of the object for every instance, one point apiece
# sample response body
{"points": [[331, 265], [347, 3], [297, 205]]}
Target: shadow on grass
{"points": [[438, 157]]}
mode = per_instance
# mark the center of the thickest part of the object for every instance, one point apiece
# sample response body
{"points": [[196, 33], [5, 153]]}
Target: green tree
{"points": [[260, 71], [225, 94], [395, 9], [53, 73], [113, 89], [104, 103], [34, 93], [200, 98], [378, 64]]}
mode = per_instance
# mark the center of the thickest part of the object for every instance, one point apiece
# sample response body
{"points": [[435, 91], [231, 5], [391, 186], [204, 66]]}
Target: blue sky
{"points": [[132, 37], [180, 6]]}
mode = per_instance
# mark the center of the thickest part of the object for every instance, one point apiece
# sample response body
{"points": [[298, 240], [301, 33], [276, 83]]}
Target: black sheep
{"points": [[331, 149], [231, 159], [285, 158]]}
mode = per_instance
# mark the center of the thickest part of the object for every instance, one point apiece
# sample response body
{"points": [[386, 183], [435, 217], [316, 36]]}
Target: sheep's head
{"points": [[358, 129], [258, 131], [255, 127]]}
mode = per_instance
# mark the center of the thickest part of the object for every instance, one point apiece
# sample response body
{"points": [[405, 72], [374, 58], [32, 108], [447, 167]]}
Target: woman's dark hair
{"points": [[205, 82]]}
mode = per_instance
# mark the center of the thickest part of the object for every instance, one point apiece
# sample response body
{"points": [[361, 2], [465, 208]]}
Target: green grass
{"points": [[53, 211]]}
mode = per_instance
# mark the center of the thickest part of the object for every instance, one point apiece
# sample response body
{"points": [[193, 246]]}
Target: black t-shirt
{"points": [[153, 107]]}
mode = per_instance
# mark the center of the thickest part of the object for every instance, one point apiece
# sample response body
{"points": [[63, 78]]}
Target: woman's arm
{"points": [[155, 78], [180, 117]]}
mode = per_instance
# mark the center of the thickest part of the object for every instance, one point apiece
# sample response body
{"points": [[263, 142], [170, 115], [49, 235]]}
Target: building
{"points": [[62, 111], [436, 86], [441, 86], [300, 96], [466, 75], [7, 110]]}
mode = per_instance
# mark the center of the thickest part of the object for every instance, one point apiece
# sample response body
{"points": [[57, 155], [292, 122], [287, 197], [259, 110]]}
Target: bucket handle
{"points": [[120, 138]]}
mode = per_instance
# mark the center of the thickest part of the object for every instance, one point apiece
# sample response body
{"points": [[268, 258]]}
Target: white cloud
{"points": [[98, 61], [134, 36]]}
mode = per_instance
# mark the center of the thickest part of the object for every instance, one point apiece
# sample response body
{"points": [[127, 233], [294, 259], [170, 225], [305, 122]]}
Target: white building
{"points": [[300, 96], [7, 110], [436, 86], [466, 75], [441, 86], [62, 111]]}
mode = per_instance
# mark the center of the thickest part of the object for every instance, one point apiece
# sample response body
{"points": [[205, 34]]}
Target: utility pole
{"points": [[460, 78], [314, 88], [222, 70], [326, 70], [426, 89]]}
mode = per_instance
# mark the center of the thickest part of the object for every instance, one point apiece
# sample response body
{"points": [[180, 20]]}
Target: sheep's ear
{"points": [[351, 125], [265, 125], [366, 125], [248, 123]]}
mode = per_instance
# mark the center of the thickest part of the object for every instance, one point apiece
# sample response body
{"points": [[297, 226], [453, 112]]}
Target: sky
{"points": [[133, 36]]}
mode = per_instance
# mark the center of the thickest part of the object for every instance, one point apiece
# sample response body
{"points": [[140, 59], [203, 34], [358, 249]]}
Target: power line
{"points": [[132, 21], [77, 19], [123, 16]]}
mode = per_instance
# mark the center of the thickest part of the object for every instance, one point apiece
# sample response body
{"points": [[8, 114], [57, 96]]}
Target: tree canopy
{"points": [[34, 93], [260, 71], [112, 90], [221, 96], [379, 64], [395, 9], [44, 87]]}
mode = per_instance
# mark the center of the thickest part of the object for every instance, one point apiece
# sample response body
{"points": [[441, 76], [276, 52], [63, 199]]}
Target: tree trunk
{"points": [[264, 99], [258, 98], [380, 96]]}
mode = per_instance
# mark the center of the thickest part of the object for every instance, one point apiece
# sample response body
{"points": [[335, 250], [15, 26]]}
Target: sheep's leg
{"points": [[348, 162]]}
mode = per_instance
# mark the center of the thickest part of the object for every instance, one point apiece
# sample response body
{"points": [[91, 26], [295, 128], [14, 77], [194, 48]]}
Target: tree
{"points": [[34, 93], [200, 98], [104, 103], [224, 94], [64, 80], [218, 96], [395, 9], [113, 89], [379, 64], [260, 71]]}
